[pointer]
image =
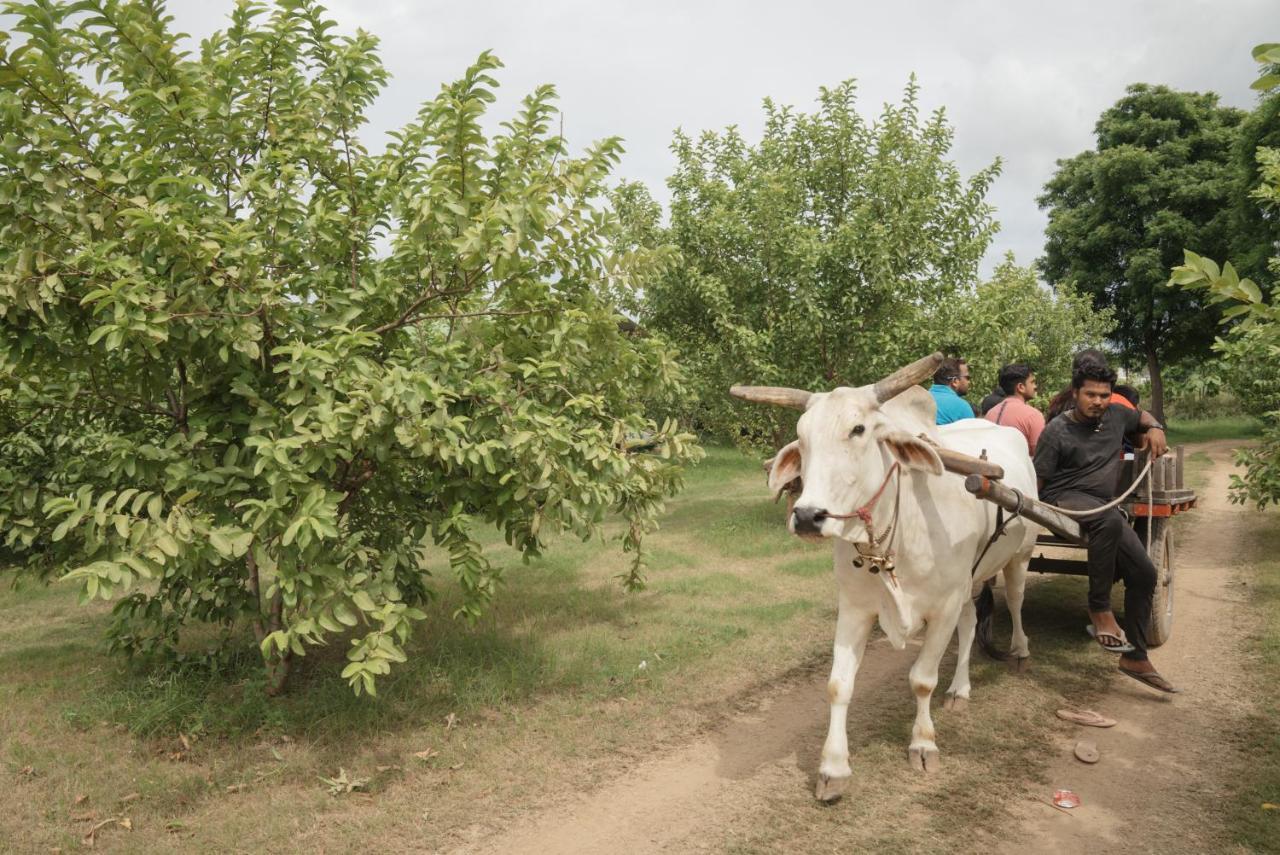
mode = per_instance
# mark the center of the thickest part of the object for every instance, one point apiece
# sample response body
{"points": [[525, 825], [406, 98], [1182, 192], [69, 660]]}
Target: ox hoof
{"points": [[925, 759], [955, 703], [1019, 664], [830, 789]]}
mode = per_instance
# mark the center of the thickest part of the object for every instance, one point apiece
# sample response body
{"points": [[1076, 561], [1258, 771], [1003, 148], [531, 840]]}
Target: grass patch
{"points": [[1205, 430], [808, 566], [564, 665]]}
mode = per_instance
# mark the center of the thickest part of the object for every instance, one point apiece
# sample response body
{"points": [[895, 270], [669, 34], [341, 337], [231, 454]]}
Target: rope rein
{"points": [[1002, 523], [872, 556], [1146, 470]]}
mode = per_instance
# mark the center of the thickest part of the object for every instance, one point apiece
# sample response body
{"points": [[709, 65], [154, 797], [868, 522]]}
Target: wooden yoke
{"points": [[963, 464], [1011, 500]]}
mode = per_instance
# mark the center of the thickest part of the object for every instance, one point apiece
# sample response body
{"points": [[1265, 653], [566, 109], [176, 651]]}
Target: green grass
{"points": [[561, 642], [1205, 430], [562, 677]]}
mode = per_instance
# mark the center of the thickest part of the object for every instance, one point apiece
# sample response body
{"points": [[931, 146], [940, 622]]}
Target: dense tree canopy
{"points": [[1252, 347], [1255, 229], [1159, 180], [1013, 318], [814, 257], [252, 373]]}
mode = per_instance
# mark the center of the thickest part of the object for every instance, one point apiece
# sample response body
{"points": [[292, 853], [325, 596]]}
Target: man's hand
{"points": [[1154, 441]]}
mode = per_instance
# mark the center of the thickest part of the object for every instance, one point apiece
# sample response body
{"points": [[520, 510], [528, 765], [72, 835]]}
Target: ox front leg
{"points": [[853, 627], [958, 693], [923, 751], [1015, 585]]}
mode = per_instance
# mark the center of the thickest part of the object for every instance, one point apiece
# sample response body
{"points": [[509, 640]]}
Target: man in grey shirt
{"points": [[1077, 462]]}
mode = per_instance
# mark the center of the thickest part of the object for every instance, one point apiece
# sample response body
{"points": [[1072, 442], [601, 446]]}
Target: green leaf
{"points": [[220, 542], [343, 613], [1266, 82], [167, 544]]}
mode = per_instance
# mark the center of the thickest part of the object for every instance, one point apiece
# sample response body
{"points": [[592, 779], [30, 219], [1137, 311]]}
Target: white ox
{"points": [[849, 440]]}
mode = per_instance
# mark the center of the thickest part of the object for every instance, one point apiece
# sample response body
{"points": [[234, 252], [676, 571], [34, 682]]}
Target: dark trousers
{"points": [[1116, 553]]}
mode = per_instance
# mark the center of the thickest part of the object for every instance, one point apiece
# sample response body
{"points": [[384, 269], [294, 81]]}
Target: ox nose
{"points": [[809, 520]]}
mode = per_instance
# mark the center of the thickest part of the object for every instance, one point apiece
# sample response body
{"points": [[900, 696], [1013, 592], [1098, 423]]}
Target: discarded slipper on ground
{"points": [[1152, 679], [1109, 641], [1086, 717], [1086, 751]]}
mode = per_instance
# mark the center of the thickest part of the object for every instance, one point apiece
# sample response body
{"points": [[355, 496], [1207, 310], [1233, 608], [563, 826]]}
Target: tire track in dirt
{"points": [[1164, 767]]}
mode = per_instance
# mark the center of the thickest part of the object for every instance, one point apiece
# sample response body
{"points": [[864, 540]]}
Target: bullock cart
{"points": [[1151, 507]]}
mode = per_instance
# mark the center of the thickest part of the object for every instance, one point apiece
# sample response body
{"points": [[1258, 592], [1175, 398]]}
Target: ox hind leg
{"points": [[853, 627], [1015, 585], [966, 628], [923, 751]]}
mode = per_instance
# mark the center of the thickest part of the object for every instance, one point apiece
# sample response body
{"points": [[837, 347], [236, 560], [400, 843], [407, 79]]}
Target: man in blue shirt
{"points": [[950, 384]]}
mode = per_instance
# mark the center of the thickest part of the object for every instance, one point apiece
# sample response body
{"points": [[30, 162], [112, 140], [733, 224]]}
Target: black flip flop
{"points": [[1152, 679]]}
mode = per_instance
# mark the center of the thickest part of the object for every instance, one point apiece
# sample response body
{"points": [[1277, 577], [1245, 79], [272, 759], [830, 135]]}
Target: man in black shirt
{"points": [[1077, 461]]}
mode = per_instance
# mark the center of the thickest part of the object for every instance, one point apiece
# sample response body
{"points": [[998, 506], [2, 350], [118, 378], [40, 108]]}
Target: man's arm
{"points": [[1035, 427], [1152, 434], [1046, 458]]}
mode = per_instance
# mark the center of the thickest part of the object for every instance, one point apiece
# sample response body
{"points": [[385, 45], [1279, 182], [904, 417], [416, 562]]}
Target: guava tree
{"points": [[813, 257], [1011, 318], [252, 373]]}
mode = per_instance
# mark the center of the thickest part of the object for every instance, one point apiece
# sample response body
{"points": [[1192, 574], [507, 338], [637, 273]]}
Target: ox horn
{"points": [[907, 376], [796, 399]]}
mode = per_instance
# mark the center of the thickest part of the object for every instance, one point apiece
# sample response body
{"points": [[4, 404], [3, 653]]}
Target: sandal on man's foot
{"points": [[1152, 679], [1109, 641]]}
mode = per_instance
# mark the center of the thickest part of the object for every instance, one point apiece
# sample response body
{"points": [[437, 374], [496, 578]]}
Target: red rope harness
{"points": [[874, 559], [864, 513]]}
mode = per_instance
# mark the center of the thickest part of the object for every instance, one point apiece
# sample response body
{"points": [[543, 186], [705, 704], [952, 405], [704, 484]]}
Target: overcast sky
{"points": [[1022, 80]]}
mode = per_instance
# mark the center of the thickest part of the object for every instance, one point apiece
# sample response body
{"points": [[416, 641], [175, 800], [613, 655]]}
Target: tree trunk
{"points": [[278, 672], [275, 664], [1156, 407]]}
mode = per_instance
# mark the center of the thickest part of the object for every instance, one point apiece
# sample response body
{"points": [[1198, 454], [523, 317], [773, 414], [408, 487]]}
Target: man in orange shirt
{"points": [[1019, 385]]}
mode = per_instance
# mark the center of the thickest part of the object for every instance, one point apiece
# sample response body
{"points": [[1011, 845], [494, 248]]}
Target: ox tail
{"points": [[986, 608]]}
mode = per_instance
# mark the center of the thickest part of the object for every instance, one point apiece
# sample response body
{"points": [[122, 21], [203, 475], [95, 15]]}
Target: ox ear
{"points": [[912, 451], [915, 410], [786, 466]]}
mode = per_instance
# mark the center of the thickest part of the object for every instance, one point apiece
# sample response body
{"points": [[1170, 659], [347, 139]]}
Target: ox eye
{"points": [[858, 430]]}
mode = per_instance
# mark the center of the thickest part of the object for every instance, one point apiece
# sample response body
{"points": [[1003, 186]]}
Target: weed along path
{"points": [[744, 783]]}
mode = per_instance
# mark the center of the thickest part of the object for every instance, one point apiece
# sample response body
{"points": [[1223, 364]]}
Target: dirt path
{"points": [[1162, 769], [689, 799], [696, 797]]}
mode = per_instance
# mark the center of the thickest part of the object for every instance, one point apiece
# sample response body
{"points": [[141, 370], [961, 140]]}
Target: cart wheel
{"points": [[1162, 555]]}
